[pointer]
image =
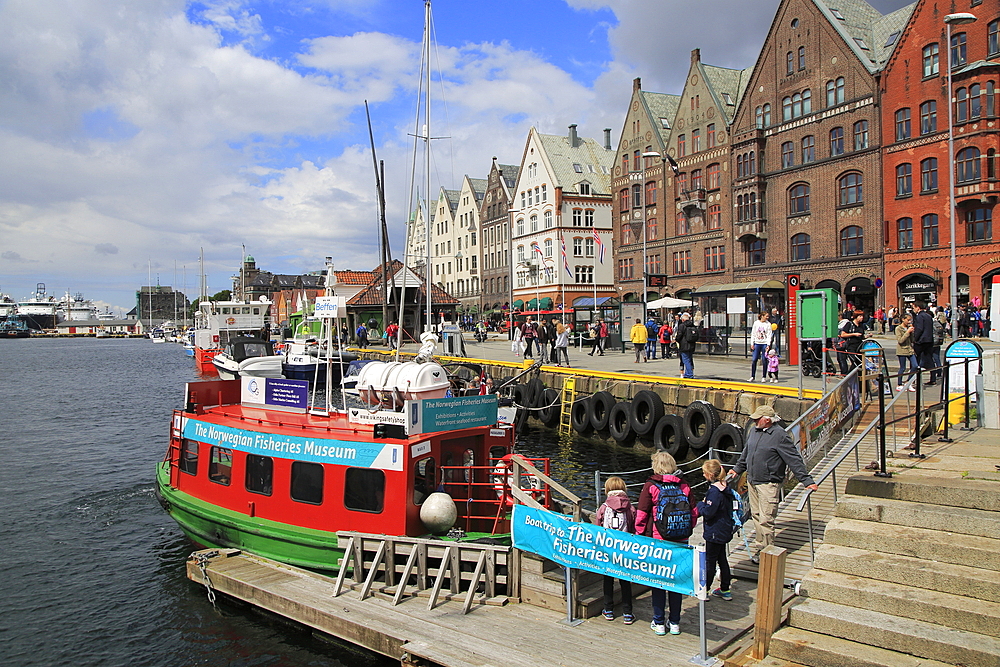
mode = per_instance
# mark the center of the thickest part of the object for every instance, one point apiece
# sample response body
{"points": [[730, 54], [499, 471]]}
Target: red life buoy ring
{"points": [[501, 478]]}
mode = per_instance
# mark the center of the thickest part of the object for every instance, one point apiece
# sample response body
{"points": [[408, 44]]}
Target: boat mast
{"points": [[427, 153]]}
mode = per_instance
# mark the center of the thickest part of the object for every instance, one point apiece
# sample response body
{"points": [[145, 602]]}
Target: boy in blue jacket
{"points": [[716, 511]]}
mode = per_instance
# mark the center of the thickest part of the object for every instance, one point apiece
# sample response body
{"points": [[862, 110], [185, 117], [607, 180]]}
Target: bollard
{"points": [[770, 584]]}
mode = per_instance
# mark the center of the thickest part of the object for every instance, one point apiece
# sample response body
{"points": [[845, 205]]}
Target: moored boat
{"points": [[246, 356], [217, 322], [39, 309], [14, 326]]}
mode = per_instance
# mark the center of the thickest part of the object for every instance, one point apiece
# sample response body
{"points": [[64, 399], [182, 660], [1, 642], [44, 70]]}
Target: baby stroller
{"points": [[812, 364]]}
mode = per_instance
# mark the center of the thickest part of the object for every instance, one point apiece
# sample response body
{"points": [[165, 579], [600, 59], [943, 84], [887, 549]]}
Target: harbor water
{"points": [[92, 569]]}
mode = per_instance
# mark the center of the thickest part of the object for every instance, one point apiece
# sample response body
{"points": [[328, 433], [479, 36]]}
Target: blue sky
{"points": [[136, 133]]}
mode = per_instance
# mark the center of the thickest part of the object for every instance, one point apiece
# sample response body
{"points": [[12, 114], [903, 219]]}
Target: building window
{"points": [[903, 124], [651, 193], [967, 165], [651, 229], [636, 164], [904, 180], [715, 258], [695, 141], [588, 217], [789, 63], [808, 149], [189, 457], [548, 224], [534, 223], [836, 141], [307, 482], [928, 117], [757, 252], [798, 199], [583, 275], [520, 227], [904, 233], [260, 474], [577, 217], [958, 50], [585, 188], [364, 489], [636, 196], [682, 262], [752, 163], [850, 187], [763, 116], [797, 105], [625, 269], [588, 246], [861, 135], [683, 227], [520, 253], [714, 176], [978, 224], [545, 194], [623, 199], [787, 155], [715, 216], [931, 60], [548, 248], [993, 39], [929, 225], [682, 185], [681, 145], [740, 166], [801, 249], [975, 102], [835, 92], [802, 58], [696, 179], [929, 175], [627, 233], [710, 136], [578, 246], [852, 241]]}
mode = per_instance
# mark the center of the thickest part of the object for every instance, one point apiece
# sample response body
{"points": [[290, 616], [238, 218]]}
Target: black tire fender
{"points": [[620, 423], [727, 438], [551, 408], [580, 417], [647, 409], [700, 421], [600, 409], [535, 388], [668, 436]]}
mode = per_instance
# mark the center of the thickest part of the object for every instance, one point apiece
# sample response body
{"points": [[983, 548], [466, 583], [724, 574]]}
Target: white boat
{"points": [[39, 309], [218, 322], [77, 309], [7, 306], [248, 356]]}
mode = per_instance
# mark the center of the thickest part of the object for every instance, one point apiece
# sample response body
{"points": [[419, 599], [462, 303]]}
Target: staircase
{"points": [[908, 576]]}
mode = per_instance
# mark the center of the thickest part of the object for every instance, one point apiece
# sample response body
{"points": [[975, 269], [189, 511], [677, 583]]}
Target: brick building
{"points": [[496, 240], [915, 156]]}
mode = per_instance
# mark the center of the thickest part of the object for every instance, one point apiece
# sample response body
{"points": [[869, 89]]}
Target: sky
{"points": [[137, 134]]}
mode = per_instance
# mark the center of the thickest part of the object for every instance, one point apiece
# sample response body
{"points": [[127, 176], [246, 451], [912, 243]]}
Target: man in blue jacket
{"points": [[923, 337], [767, 454]]}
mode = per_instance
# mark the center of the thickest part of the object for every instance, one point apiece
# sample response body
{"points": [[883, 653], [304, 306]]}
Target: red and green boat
{"points": [[280, 484]]}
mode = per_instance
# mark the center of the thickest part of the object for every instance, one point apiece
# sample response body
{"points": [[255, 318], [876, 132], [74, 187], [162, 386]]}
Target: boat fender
{"points": [[700, 421], [502, 474], [647, 408], [727, 438], [551, 409], [620, 423], [600, 409], [580, 416], [438, 513], [668, 436]]}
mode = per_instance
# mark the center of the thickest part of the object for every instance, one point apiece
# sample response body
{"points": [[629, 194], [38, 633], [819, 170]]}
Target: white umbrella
{"points": [[669, 302]]}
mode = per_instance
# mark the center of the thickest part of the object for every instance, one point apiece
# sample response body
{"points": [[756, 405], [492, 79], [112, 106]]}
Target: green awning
{"points": [[532, 304], [519, 303], [547, 303]]}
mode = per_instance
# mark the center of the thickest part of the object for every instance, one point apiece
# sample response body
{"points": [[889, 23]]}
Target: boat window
{"points": [[220, 466], [364, 489], [256, 311], [307, 482], [424, 480], [189, 457], [246, 311], [260, 474], [225, 311]]}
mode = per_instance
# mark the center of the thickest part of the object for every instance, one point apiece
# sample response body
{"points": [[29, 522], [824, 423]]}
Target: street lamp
{"points": [[949, 20], [663, 174]]}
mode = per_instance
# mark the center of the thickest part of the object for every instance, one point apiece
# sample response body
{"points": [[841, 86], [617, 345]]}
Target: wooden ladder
{"points": [[568, 398]]}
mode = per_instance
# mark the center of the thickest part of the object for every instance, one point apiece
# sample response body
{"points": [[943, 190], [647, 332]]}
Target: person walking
{"points": [[760, 339], [664, 336], [904, 350], [686, 336], [617, 513], [923, 337], [777, 326], [939, 330], [561, 348], [665, 512], [853, 334], [716, 512], [529, 334], [392, 335], [767, 454], [602, 336], [638, 337], [652, 329], [550, 333], [361, 333], [542, 341], [773, 359]]}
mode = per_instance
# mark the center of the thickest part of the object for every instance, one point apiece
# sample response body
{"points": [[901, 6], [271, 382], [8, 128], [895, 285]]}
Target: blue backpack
{"points": [[672, 514]]}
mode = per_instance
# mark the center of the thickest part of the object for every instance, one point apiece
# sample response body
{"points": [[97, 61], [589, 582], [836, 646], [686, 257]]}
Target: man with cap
{"points": [[768, 452]]}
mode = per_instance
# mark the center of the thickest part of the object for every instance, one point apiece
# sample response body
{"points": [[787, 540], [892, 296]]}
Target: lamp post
{"points": [[949, 20], [663, 174]]}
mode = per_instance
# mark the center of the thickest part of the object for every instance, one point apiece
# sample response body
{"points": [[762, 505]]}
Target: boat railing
{"points": [[482, 493], [521, 466]]}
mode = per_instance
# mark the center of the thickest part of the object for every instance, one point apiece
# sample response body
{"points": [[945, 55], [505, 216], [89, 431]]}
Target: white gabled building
{"points": [[468, 256], [562, 198]]}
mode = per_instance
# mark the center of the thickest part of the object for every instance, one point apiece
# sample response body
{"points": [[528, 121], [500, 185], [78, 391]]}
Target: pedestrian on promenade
{"points": [[665, 512], [617, 513], [716, 512], [923, 337], [772, 365], [638, 337], [551, 331], [542, 341], [392, 335], [904, 351], [561, 348], [853, 335], [939, 330], [686, 334], [529, 333], [517, 341], [767, 454], [602, 336], [652, 329], [777, 326], [664, 336], [760, 339]]}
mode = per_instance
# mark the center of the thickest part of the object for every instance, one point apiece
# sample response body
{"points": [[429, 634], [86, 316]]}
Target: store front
{"points": [[729, 310], [917, 287], [859, 293]]}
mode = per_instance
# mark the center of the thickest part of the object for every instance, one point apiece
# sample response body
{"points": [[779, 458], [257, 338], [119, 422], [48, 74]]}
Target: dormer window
{"points": [[584, 188]]}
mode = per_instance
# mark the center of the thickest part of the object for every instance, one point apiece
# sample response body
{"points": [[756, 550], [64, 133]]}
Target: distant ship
{"points": [[7, 306], [39, 309], [77, 309]]}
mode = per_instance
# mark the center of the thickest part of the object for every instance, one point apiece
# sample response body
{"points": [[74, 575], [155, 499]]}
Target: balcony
{"points": [[692, 201], [750, 229]]}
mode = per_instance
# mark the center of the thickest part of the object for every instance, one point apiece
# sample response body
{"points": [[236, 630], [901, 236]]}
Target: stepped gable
{"points": [[908, 575]]}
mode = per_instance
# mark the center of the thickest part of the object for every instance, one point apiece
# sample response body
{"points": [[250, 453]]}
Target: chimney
{"points": [[696, 55], [636, 84], [573, 139], [607, 138]]}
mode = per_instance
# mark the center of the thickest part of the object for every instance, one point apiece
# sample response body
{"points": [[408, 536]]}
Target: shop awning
{"points": [[738, 288], [547, 303], [588, 301], [532, 305], [669, 302], [518, 303]]}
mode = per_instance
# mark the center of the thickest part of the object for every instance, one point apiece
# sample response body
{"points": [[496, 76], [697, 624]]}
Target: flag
{"points": [[600, 246], [537, 248], [565, 258]]}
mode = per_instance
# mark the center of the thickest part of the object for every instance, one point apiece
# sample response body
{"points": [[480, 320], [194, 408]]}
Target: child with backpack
{"points": [[665, 512], [717, 514], [617, 513]]}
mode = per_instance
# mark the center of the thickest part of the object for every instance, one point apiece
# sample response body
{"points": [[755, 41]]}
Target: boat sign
{"points": [[363, 416], [431, 415], [329, 307], [354, 453], [614, 553], [275, 393]]}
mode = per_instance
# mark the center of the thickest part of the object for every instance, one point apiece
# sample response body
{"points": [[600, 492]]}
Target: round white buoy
{"points": [[438, 513]]}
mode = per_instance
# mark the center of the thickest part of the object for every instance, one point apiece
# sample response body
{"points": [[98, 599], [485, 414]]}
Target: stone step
{"points": [[976, 522], [969, 550], [907, 570], [927, 640], [951, 611], [954, 493], [818, 650]]}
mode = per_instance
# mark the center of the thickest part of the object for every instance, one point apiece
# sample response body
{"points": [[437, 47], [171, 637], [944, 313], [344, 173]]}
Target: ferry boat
{"points": [[217, 322], [280, 484]]}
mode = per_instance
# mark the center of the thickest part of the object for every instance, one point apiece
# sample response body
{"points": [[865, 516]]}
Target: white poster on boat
{"points": [[330, 307], [363, 416], [274, 393]]}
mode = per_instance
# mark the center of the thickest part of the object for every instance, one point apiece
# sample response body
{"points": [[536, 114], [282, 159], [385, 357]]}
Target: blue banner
{"points": [[357, 454], [615, 553], [432, 415]]}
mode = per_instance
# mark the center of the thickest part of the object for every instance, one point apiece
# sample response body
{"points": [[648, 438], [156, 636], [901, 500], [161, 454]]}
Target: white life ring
{"points": [[501, 478]]}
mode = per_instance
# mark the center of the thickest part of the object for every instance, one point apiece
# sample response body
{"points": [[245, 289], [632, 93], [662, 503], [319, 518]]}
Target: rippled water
{"points": [[91, 568]]}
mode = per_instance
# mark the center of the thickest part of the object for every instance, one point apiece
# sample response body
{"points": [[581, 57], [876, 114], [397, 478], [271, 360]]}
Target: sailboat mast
{"points": [[427, 152]]}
